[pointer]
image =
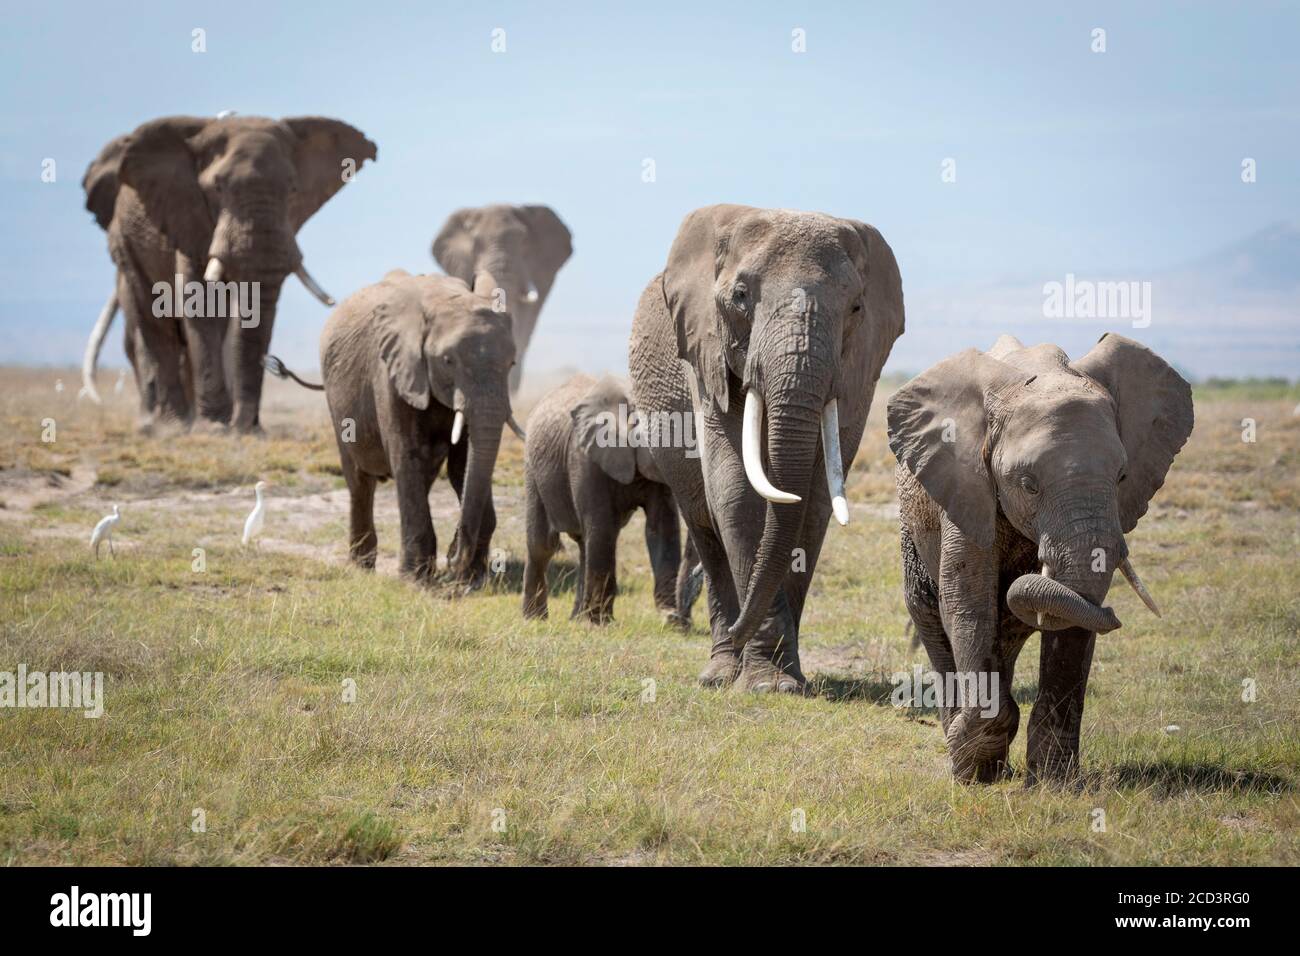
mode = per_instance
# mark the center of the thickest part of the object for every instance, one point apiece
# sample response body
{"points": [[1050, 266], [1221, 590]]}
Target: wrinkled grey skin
{"points": [[398, 358], [581, 480], [819, 310], [522, 246], [178, 191], [1046, 462]]}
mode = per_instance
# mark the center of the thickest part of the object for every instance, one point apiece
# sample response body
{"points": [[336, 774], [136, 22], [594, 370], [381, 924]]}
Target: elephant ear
{"points": [[1153, 411], [101, 181], [159, 164], [327, 153], [696, 256], [401, 350], [870, 334], [595, 427], [453, 247], [938, 430], [550, 245]]}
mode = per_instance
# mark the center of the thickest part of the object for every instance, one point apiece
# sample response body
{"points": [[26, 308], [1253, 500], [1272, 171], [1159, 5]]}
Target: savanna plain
{"points": [[315, 713]]}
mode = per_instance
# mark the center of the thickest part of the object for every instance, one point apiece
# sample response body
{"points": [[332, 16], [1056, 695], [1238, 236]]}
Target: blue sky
{"points": [[1117, 164]]}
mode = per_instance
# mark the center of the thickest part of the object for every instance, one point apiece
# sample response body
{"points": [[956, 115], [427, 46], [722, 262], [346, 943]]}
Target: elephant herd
{"points": [[753, 355]]}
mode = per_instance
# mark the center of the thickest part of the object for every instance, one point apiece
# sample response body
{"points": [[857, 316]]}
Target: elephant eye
{"points": [[1122, 476], [740, 296], [1027, 482], [857, 308]]}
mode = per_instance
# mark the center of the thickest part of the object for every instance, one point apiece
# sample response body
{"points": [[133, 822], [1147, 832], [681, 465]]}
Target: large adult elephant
{"points": [[1020, 472], [217, 201], [768, 329], [522, 246]]}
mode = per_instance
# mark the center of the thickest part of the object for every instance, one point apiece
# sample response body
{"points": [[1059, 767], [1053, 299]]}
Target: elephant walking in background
{"points": [[1020, 472], [585, 473], [217, 202], [416, 372], [523, 246], [767, 329]]}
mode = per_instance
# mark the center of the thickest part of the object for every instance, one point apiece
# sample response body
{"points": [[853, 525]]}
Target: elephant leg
{"points": [[724, 607], [1064, 663], [158, 351], [419, 543], [363, 543], [580, 584], [921, 597], [663, 543], [600, 539], [543, 542], [252, 339]]}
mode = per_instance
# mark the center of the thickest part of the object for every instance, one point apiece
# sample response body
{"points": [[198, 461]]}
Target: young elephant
{"points": [[410, 364], [1019, 474], [584, 478]]}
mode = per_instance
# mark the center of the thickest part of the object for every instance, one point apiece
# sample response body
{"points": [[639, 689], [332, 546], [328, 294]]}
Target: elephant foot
{"points": [[597, 616], [721, 670], [209, 426], [675, 621], [765, 677]]}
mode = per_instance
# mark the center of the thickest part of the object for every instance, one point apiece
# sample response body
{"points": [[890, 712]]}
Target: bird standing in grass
{"points": [[104, 531], [253, 525]]}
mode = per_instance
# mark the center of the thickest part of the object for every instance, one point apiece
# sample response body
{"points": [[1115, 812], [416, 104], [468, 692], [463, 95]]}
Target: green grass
{"points": [[477, 737]]}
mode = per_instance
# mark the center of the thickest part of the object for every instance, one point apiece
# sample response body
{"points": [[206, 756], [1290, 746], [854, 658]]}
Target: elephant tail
{"points": [[280, 370], [94, 345]]}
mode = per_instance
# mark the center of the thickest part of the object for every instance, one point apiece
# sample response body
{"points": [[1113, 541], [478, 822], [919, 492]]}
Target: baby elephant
{"points": [[584, 476], [416, 374], [1020, 472]]}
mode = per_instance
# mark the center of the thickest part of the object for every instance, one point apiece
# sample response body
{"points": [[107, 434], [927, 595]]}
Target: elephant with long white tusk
{"points": [[1020, 473], [766, 331], [218, 199]]}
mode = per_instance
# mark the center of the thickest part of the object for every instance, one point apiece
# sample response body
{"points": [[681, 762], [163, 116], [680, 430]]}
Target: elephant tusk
{"points": [[751, 448], [94, 344], [214, 270], [305, 278], [457, 426], [834, 464], [1131, 576], [514, 427], [1039, 615]]}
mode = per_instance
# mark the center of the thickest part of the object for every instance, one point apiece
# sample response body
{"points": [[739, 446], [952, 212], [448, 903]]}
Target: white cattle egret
{"points": [[104, 531], [253, 525], [58, 386]]}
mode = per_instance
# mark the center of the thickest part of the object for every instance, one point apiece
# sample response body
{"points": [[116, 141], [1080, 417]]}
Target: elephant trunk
{"points": [[1033, 595], [795, 400], [485, 419], [252, 340]]}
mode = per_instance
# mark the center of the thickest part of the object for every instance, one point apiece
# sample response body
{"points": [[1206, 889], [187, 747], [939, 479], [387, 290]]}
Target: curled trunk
{"points": [[1031, 595]]}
